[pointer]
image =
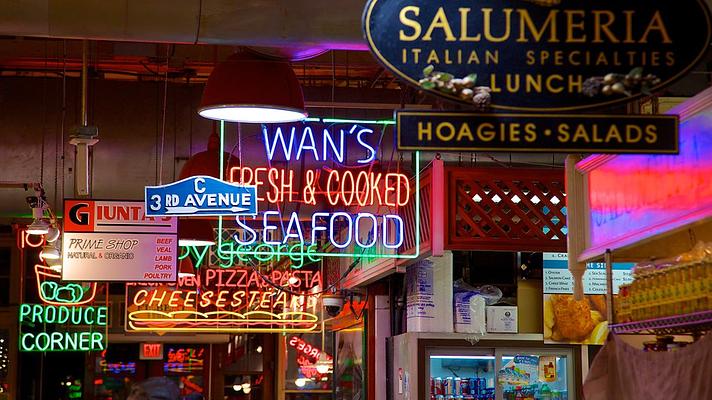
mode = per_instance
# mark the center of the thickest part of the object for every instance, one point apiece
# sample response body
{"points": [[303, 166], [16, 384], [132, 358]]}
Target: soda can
{"points": [[457, 386], [465, 386], [438, 388], [448, 386], [474, 386], [481, 384]]}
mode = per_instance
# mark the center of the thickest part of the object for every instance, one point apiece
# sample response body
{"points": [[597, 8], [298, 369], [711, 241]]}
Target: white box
{"points": [[502, 319]]}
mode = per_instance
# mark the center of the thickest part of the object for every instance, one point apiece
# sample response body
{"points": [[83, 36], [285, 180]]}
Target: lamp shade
{"points": [[186, 268], [50, 252], [195, 232], [38, 227], [245, 88]]}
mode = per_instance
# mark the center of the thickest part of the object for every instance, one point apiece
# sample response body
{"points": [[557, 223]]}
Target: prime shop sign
{"points": [[538, 55]]}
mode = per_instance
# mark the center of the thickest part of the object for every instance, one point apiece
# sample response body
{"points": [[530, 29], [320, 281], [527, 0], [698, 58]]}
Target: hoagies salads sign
{"points": [[538, 55]]}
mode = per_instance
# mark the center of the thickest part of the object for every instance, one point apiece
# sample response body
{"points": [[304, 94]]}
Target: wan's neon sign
{"points": [[226, 300], [340, 172]]}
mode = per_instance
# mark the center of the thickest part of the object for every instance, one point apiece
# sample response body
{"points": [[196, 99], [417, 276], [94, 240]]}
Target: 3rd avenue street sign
{"points": [[200, 196], [538, 55]]}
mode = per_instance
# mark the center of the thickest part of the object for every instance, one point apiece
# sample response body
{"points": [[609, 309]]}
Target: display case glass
{"points": [[462, 374], [534, 377], [499, 374]]}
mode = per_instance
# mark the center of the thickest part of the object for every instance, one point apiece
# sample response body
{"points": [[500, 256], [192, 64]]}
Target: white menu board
{"points": [[558, 279]]}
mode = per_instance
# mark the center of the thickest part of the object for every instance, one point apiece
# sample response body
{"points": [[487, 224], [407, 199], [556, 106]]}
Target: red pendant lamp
{"points": [[195, 231], [186, 268], [247, 88]]}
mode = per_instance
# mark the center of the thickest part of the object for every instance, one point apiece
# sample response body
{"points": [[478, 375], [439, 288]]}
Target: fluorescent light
{"points": [[463, 357], [195, 242], [252, 114]]}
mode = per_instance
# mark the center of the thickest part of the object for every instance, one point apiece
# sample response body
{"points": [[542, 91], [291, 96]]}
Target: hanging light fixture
{"points": [[50, 252], [247, 88], [323, 364], [195, 232], [38, 227], [186, 268], [52, 233], [55, 264]]}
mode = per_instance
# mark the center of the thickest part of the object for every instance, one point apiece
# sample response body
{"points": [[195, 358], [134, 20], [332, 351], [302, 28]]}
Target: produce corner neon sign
{"points": [[226, 300], [60, 340], [357, 186]]}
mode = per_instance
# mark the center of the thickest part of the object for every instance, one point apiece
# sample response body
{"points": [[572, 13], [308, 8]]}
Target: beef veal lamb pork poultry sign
{"points": [[534, 56]]}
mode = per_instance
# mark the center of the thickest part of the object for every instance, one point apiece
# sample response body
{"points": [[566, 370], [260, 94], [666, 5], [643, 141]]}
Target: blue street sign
{"points": [[200, 195]]}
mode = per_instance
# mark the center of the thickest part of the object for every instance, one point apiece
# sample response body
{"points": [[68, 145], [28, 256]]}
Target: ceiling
{"points": [[136, 44]]}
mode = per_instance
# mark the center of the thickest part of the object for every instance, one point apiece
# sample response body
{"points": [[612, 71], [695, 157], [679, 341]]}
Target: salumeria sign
{"points": [[538, 54]]}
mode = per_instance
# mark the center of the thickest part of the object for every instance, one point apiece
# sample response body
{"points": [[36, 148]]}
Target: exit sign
{"points": [[151, 351]]}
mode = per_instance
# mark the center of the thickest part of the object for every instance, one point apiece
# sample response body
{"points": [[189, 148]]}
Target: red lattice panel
{"points": [[506, 209]]}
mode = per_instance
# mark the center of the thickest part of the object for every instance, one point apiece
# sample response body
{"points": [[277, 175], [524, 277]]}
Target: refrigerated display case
{"points": [[498, 367]]}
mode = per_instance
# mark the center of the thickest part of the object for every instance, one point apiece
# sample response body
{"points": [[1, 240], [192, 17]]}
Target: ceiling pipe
{"points": [[300, 27], [84, 137]]}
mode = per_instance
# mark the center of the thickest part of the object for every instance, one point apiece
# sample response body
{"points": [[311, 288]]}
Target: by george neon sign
{"points": [[366, 200], [226, 300], [232, 253], [40, 315]]}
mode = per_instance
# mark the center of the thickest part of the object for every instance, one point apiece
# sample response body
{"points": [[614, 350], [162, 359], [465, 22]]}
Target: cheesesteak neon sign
{"points": [[226, 300]]}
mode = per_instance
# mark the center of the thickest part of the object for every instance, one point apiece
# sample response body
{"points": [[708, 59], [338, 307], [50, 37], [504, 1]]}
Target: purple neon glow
{"points": [[643, 195]]}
